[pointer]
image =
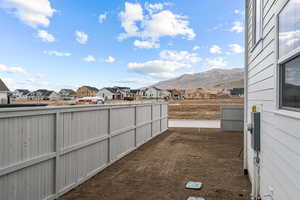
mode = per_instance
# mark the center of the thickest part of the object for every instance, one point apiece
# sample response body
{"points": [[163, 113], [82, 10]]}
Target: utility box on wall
{"points": [[255, 131]]}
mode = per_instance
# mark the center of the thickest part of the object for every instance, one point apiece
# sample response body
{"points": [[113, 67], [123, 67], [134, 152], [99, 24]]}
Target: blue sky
{"points": [[57, 44]]}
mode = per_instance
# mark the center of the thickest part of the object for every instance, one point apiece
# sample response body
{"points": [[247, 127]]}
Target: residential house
{"points": [[195, 93], [226, 91], [272, 91], [136, 93], [43, 94], [125, 90], [20, 94], [4, 99], [212, 94], [151, 93], [178, 94], [237, 92], [114, 93], [86, 91], [67, 94], [108, 93], [165, 94]]}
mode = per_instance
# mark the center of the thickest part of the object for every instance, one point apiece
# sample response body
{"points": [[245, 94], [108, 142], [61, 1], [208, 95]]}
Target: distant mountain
{"points": [[213, 79]]}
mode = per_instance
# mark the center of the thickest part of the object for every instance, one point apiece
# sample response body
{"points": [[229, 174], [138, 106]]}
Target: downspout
{"points": [[246, 90]]}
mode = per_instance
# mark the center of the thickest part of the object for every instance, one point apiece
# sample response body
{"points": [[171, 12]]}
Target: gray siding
{"points": [[280, 157], [45, 152]]}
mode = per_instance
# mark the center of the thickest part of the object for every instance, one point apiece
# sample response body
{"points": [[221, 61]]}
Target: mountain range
{"points": [[212, 79]]}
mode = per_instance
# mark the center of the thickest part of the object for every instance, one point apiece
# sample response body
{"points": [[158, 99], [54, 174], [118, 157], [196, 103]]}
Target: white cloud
{"points": [[13, 70], [102, 17], [132, 14], [45, 36], [145, 44], [238, 12], [157, 68], [237, 27], [235, 48], [154, 25], [215, 49], [154, 7], [215, 63], [195, 48], [180, 56], [16, 70], [110, 59], [165, 23], [40, 75], [57, 53], [171, 64], [81, 37], [89, 58], [31, 12], [289, 38]]}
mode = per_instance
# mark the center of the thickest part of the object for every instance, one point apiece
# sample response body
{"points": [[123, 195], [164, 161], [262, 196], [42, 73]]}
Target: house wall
{"points": [[85, 92], [103, 93], [54, 96], [19, 96], [45, 152], [280, 138], [152, 93], [3, 97]]}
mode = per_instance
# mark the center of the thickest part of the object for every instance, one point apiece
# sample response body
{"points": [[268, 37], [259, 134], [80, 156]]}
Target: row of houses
{"points": [[116, 93]]}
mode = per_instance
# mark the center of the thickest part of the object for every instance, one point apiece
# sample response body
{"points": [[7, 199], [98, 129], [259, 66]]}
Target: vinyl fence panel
{"points": [[45, 152], [232, 118]]}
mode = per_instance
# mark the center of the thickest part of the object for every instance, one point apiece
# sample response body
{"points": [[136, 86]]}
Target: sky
{"points": [[54, 44]]}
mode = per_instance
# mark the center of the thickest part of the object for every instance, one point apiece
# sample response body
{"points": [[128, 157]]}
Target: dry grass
{"points": [[207, 109]]}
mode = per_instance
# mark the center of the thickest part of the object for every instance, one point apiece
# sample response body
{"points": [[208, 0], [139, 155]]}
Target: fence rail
{"points": [[45, 152]]}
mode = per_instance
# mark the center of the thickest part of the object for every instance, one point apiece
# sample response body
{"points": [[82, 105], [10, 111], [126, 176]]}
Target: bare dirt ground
{"points": [[207, 109], [159, 169], [50, 103]]}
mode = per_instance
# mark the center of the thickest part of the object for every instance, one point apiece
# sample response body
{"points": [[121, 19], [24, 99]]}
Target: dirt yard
{"points": [[200, 109], [159, 169]]}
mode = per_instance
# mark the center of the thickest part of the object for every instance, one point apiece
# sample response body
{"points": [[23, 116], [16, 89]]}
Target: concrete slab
{"points": [[194, 124]]}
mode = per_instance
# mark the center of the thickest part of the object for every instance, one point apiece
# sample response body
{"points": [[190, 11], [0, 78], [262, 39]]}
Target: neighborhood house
{"points": [[43, 94], [3, 93], [86, 91]]}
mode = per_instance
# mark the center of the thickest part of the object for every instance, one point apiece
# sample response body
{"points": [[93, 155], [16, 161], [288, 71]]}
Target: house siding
{"points": [[280, 138], [104, 93], [3, 97]]}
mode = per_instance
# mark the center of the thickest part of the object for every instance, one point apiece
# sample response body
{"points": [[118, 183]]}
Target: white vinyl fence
{"points": [[45, 152], [232, 118]]}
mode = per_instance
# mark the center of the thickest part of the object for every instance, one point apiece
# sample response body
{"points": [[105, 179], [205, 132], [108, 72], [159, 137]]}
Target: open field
{"points": [[160, 168], [204, 109], [207, 109], [50, 103]]}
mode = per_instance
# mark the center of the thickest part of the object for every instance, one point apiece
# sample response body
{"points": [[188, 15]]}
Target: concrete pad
{"points": [[194, 124], [193, 185], [195, 198]]}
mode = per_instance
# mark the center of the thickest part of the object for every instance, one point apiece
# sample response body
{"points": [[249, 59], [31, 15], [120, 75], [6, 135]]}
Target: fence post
{"points": [[109, 136], [135, 125], [160, 121], [151, 120], [58, 145]]}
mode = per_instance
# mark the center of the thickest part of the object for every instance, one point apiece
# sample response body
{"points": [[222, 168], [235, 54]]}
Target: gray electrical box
{"points": [[255, 131]]}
